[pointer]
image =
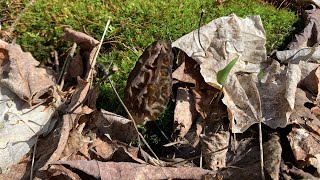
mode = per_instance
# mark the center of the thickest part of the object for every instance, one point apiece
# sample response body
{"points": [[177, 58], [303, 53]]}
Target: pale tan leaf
{"points": [[222, 39], [183, 112]]}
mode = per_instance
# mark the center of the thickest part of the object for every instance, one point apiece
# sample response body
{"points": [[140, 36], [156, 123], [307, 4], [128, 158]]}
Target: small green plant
{"points": [[223, 73]]}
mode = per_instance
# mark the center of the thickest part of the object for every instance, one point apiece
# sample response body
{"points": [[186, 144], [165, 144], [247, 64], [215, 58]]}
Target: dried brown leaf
{"points": [[58, 170], [305, 146], [76, 67], [272, 156], [64, 135], [117, 127], [214, 142], [243, 159], [77, 147], [183, 112], [310, 34], [86, 42], [16, 172], [242, 98], [104, 149], [22, 76], [294, 173], [4, 56], [123, 170]]}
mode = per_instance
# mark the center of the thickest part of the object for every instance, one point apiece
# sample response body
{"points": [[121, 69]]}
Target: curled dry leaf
{"points": [[294, 173], [305, 146], [58, 171], [183, 112], [302, 115], [86, 42], [310, 34], [76, 67], [125, 170], [70, 119], [22, 76], [103, 149], [272, 156], [117, 127], [188, 74], [212, 143], [199, 96], [243, 162], [76, 147], [83, 63]]}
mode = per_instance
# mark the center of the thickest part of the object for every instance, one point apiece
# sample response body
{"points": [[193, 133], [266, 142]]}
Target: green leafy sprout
{"points": [[222, 75]]}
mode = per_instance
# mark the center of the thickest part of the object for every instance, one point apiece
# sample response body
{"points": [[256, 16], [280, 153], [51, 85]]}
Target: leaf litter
{"points": [[215, 122]]}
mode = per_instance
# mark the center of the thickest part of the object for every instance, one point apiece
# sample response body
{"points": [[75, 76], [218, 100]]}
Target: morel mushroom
{"points": [[149, 83]]}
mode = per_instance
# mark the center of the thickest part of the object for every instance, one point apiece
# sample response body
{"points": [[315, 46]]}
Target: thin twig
{"points": [[33, 157], [201, 16], [203, 155], [97, 52], [56, 61], [261, 152], [65, 66]]}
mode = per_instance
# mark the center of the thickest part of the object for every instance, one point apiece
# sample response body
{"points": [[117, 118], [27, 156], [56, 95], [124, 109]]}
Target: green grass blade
{"points": [[223, 74]]}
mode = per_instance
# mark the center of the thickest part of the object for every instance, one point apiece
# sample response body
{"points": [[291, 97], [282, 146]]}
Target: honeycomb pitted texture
{"points": [[149, 83]]}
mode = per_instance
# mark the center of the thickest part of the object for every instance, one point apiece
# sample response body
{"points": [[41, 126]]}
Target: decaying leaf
{"points": [[310, 34], [20, 126], [223, 39], [86, 42], [103, 149], [22, 76], [243, 161], [117, 127], [21, 85], [204, 109], [125, 170], [212, 143], [17, 171], [293, 172], [183, 112], [272, 88], [305, 146], [242, 98], [272, 156]]}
